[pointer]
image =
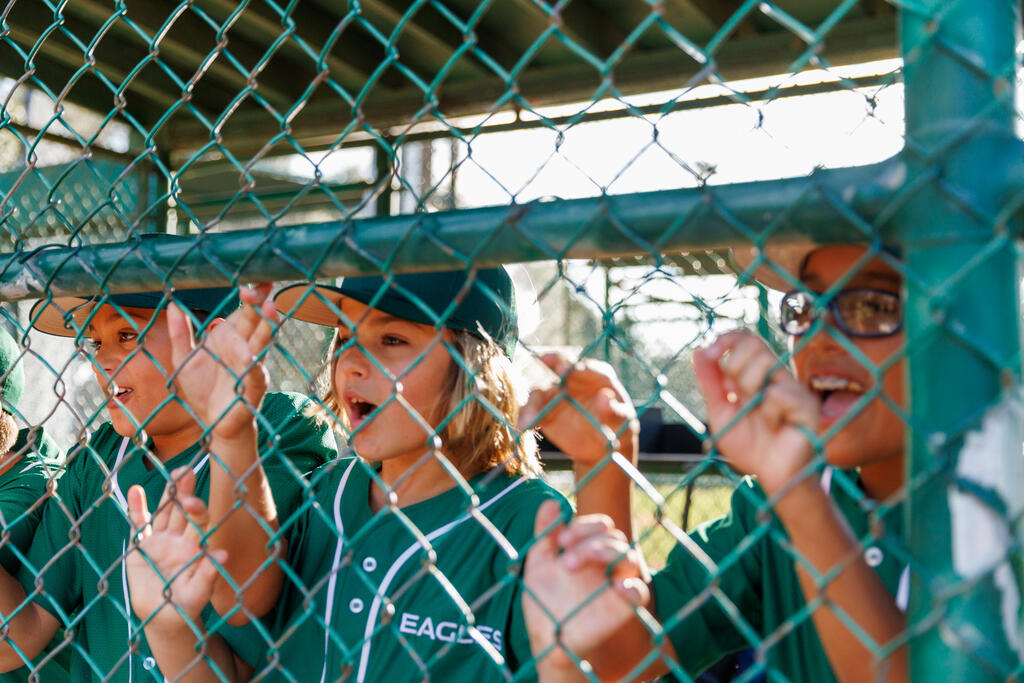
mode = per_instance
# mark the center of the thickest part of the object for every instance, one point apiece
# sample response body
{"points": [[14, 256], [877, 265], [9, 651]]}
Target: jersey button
{"points": [[369, 564], [873, 556], [148, 663], [356, 605]]}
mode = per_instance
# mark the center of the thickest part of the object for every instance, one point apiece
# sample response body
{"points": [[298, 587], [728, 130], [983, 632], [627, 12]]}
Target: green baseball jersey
{"points": [[23, 490], [74, 567], [757, 578], [388, 596]]}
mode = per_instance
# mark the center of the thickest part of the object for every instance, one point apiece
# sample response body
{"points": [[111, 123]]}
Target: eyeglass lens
{"points": [[858, 312]]}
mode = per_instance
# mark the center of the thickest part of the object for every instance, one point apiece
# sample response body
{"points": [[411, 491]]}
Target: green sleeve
{"points": [[520, 534], [38, 441], [253, 641], [293, 441], [23, 493], [701, 622], [50, 573]]}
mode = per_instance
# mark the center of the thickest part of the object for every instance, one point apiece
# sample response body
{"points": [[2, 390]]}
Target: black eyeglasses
{"points": [[857, 312]]}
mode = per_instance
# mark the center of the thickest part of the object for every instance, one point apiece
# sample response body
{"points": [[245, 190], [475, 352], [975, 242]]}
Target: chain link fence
{"points": [[842, 177]]}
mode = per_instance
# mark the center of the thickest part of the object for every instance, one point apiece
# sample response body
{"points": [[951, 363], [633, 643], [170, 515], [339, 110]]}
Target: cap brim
{"points": [[779, 261], [61, 316], [317, 304]]}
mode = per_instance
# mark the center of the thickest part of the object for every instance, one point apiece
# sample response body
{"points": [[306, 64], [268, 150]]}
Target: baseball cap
{"points": [[474, 300], [781, 260], [67, 316], [12, 375]]}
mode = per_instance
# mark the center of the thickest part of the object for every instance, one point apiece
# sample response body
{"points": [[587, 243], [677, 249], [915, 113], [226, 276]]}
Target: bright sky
{"points": [[780, 138]]}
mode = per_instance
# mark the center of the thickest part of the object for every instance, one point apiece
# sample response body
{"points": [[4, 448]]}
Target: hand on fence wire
{"points": [[223, 381], [220, 376], [762, 418], [171, 580], [588, 416], [170, 575], [583, 586], [764, 421]]}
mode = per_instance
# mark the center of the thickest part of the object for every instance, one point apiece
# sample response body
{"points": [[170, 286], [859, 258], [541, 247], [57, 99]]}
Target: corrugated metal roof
{"points": [[316, 68]]}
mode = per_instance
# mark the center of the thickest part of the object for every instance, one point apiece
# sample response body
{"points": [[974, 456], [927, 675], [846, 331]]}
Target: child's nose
{"points": [[105, 361], [104, 367], [828, 337], [353, 361]]}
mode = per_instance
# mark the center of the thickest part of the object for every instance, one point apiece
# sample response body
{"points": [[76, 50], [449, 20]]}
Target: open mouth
{"points": [[358, 409], [837, 395], [119, 394]]}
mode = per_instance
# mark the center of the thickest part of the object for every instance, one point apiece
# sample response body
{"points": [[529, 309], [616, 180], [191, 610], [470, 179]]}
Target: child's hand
{"points": [[771, 440], [170, 576], [221, 380], [583, 586], [590, 393]]}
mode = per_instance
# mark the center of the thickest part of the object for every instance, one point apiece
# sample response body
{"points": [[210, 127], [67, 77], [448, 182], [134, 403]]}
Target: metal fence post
{"points": [[962, 310]]}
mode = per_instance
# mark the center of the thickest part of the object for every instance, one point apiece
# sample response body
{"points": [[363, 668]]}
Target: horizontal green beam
{"points": [[623, 225], [836, 205]]}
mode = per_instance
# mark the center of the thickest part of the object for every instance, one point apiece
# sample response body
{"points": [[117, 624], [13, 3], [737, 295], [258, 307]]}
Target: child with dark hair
{"points": [[74, 574], [806, 567]]}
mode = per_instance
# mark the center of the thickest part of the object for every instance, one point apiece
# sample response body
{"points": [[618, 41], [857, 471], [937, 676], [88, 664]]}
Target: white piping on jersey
{"points": [[397, 565], [903, 588], [127, 600], [337, 560], [119, 496], [826, 480], [903, 592], [117, 471], [117, 463]]}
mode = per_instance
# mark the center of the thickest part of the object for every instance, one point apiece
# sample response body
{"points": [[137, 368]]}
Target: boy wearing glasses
{"points": [[808, 555]]}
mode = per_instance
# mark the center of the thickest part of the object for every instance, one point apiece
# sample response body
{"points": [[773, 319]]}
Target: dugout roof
{"points": [[183, 70]]}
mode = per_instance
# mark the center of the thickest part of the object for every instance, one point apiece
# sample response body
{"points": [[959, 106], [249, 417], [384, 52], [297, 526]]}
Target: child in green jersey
{"points": [[729, 570], [404, 564], [29, 462], [74, 574]]}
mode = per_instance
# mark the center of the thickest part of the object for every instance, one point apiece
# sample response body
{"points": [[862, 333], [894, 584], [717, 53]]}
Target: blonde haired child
{"points": [[404, 561]]}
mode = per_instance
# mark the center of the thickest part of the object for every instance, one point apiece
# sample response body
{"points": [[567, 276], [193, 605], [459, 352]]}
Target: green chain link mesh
{"points": [[619, 157]]}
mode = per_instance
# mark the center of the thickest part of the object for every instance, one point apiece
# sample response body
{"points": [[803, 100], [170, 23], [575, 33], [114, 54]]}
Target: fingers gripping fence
{"points": [[336, 480]]}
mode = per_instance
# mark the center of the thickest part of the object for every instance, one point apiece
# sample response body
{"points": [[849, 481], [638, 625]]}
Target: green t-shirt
{"points": [[74, 568], [23, 490], [371, 579], [758, 581]]}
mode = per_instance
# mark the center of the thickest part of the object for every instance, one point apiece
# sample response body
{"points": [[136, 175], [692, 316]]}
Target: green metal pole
{"points": [[962, 316], [594, 228]]}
